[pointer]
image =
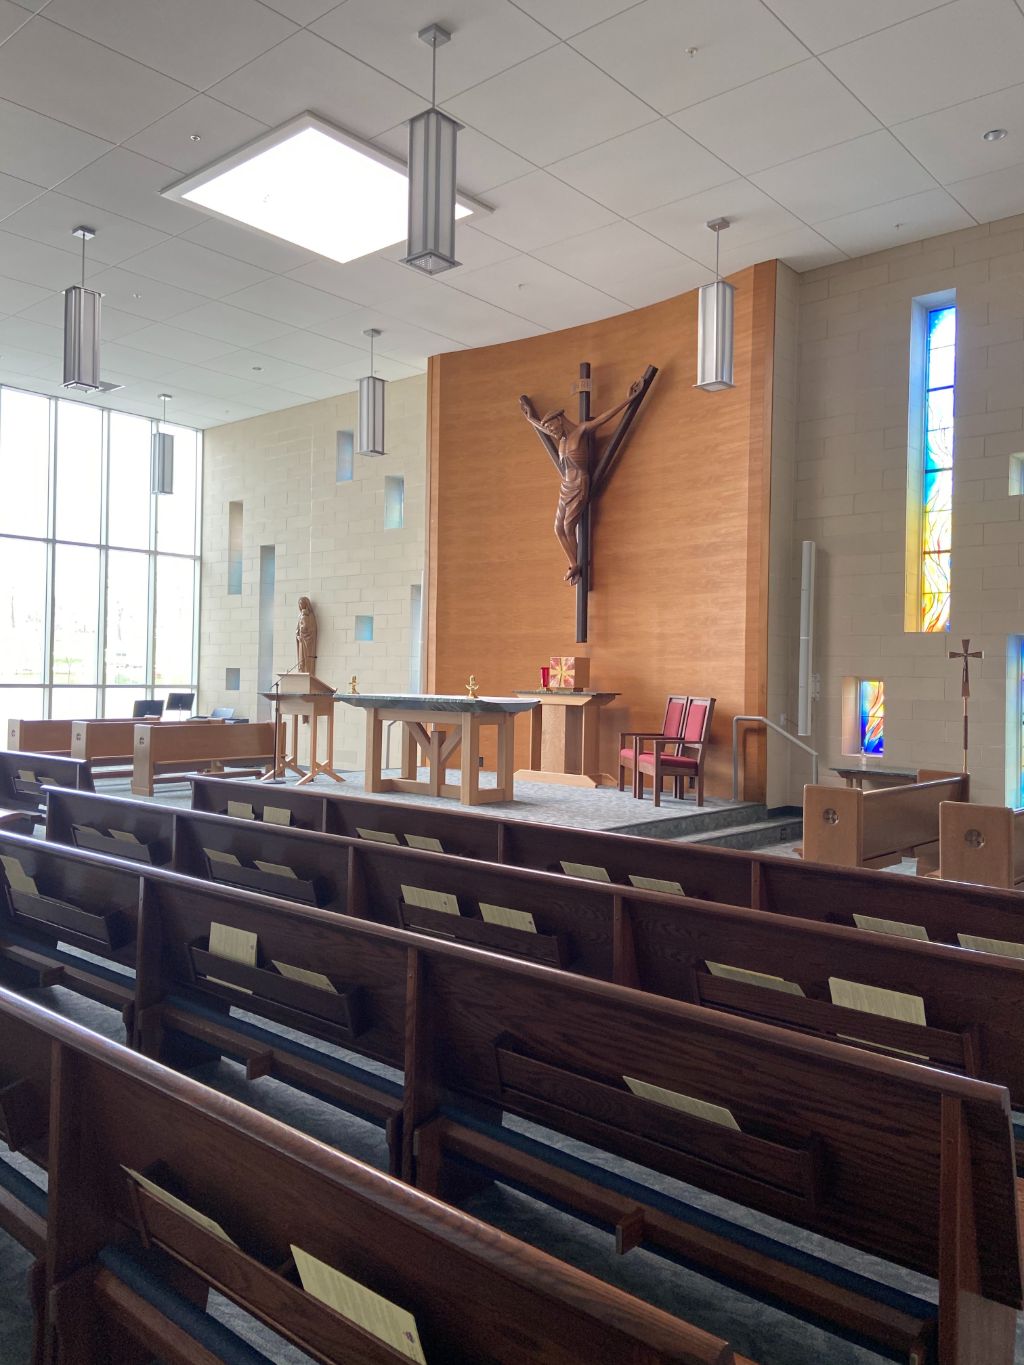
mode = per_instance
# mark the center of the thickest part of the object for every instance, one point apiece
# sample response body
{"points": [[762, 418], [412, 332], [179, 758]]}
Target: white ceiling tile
{"points": [[259, 367], [16, 295], [16, 361], [31, 336], [465, 318], [193, 41], [312, 385], [566, 17], [537, 209], [950, 54], [801, 248], [115, 324], [137, 294], [626, 262], [997, 194], [474, 249], [950, 142], [857, 174], [86, 85], [287, 300], [398, 339], [51, 218], [490, 36], [121, 358], [365, 281], [320, 353], [752, 215], [649, 166], [537, 291], [234, 325], [302, 11], [874, 229], [822, 24], [15, 193], [164, 339], [195, 267], [645, 48], [40, 149], [220, 130], [11, 19], [550, 107], [248, 244], [777, 118], [22, 259], [482, 162], [131, 185], [307, 72]]}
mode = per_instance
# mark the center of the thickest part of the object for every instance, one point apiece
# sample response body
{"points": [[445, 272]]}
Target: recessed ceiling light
{"points": [[994, 135], [309, 183], [136, 294], [257, 367], [194, 137]]}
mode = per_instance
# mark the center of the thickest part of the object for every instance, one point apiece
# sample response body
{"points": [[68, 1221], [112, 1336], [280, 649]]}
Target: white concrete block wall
{"points": [[331, 546], [850, 494]]}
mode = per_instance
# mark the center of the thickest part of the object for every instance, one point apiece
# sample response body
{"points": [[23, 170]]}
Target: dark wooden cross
{"points": [[601, 467], [967, 654]]}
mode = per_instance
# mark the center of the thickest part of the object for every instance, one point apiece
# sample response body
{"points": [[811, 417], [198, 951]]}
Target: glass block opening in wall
{"points": [[394, 502], [364, 627], [232, 680], [234, 549], [343, 457]]}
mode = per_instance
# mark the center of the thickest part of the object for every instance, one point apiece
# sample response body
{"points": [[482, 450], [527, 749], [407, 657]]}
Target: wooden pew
{"points": [[182, 748], [983, 844], [174, 957], [40, 736], [847, 827], [22, 779], [275, 860], [128, 1271]]}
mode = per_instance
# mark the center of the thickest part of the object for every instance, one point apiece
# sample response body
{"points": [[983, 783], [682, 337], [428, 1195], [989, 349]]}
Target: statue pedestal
{"points": [[564, 735]]}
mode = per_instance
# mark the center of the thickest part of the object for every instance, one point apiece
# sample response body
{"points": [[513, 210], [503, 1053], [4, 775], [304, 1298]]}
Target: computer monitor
{"points": [[180, 701], [142, 710]]}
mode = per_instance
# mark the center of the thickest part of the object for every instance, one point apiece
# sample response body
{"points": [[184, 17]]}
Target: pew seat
{"points": [[848, 827]]}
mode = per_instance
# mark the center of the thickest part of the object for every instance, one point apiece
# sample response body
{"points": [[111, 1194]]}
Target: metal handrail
{"points": [[763, 720]]}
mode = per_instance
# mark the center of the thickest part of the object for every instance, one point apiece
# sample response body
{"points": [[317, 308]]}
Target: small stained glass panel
{"points": [[872, 716], [935, 611], [937, 514], [938, 490], [938, 527]]}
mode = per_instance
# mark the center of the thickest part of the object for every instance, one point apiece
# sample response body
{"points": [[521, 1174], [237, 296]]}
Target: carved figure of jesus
{"points": [[576, 467], [305, 637]]}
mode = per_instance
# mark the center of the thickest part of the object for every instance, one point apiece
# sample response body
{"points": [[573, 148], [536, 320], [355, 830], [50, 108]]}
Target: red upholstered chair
{"points": [[631, 741], [680, 759]]}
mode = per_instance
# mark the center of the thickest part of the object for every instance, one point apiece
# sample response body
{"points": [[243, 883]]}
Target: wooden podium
{"points": [[303, 696], [564, 731]]}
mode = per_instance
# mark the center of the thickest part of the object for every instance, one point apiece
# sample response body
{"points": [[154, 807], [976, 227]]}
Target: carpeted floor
{"points": [[768, 1336]]}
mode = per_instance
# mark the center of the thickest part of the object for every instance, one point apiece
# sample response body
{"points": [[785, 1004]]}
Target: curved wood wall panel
{"points": [[680, 537]]}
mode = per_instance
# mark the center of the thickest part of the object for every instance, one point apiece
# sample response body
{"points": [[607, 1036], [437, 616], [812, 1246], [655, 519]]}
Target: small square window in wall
{"points": [[1016, 476], [364, 627], [394, 502], [232, 679], [871, 701], [343, 458]]}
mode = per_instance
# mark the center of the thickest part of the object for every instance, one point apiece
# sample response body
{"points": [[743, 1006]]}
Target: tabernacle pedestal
{"points": [[564, 733], [302, 695], [434, 727]]}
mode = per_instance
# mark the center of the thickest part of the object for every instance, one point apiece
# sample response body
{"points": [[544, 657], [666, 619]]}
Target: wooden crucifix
{"points": [[967, 654], [583, 473]]}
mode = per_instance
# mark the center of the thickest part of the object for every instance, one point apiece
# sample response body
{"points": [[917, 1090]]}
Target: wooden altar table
{"points": [[564, 731], [434, 727]]}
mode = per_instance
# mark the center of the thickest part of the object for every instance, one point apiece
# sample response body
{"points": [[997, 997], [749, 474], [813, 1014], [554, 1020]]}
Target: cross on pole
{"points": [[967, 654]]}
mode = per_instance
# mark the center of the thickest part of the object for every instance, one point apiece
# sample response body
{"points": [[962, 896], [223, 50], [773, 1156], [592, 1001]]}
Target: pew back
{"points": [[475, 1293], [180, 747], [40, 736], [983, 844], [23, 777], [848, 827]]}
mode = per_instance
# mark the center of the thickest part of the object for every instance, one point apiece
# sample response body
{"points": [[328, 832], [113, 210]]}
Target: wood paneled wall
{"points": [[680, 536]]}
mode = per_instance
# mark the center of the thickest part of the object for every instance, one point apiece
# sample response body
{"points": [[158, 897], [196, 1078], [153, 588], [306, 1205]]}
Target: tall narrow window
{"points": [[937, 515], [872, 716], [394, 502], [234, 549]]}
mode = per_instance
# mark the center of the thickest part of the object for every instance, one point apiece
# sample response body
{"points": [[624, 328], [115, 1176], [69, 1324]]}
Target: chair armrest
{"points": [[640, 734]]}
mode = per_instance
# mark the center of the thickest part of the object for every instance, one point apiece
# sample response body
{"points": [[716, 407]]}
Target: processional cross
{"points": [[583, 473], [967, 654]]}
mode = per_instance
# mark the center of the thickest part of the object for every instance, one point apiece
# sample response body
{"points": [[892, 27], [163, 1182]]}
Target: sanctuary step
{"points": [[758, 832]]}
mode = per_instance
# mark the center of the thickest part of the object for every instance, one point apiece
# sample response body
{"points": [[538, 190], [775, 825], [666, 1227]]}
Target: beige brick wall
{"points": [[331, 546], [850, 494]]}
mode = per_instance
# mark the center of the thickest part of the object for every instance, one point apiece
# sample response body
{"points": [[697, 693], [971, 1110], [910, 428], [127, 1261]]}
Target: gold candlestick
{"points": [[352, 685], [472, 687]]}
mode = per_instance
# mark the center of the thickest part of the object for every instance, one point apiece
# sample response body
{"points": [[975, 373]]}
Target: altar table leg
{"points": [[372, 780], [410, 752], [469, 788], [506, 755]]}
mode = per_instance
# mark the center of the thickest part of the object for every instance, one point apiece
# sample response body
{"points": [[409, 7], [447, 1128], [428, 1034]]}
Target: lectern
{"points": [[303, 696]]}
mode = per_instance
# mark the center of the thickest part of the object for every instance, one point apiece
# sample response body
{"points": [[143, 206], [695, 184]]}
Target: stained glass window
{"points": [[936, 522], [872, 716]]}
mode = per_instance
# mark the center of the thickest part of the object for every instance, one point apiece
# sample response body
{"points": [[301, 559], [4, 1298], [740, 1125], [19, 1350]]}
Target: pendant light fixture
{"points": [[432, 155], [371, 407], [162, 462], [82, 329], [714, 325]]}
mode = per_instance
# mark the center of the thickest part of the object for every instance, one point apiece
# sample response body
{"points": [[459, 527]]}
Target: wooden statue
{"points": [[305, 637], [582, 472]]}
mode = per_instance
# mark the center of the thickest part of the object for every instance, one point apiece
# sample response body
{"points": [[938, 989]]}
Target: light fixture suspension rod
{"points": [[433, 75]]}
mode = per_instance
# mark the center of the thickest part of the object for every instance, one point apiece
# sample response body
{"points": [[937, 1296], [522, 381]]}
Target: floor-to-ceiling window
{"points": [[99, 577]]}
